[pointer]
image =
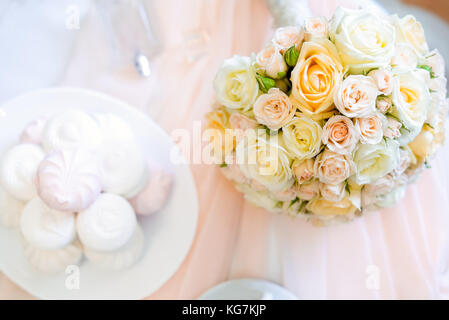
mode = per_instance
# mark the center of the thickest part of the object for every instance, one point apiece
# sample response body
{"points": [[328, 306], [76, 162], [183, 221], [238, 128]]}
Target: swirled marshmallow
{"points": [[69, 180], [107, 224], [113, 128], [33, 131], [122, 258], [71, 129], [18, 170], [46, 228]]}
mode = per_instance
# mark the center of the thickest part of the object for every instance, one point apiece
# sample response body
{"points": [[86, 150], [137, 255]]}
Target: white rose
{"points": [[273, 109], [332, 192], [406, 159], [363, 40], [370, 129], [316, 27], [374, 161], [340, 135], [436, 61], [286, 37], [356, 96], [410, 31], [302, 137], [379, 187], [404, 56], [271, 61], [383, 79], [411, 101], [332, 167], [308, 190], [264, 160], [261, 199], [390, 199], [303, 170], [235, 83]]}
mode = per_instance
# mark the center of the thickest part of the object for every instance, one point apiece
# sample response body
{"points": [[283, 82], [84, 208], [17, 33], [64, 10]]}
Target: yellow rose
{"points": [[302, 137], [316, 75], [218, 134], [320, 206], [426, 143]]}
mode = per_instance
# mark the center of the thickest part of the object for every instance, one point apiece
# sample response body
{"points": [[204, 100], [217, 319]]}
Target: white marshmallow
{"points": [[113, 128], [122, 258], [123, 168], [46, 228], [107, 224], [154, 196], [18, 170], [10, 209], [69, 180], [33, 131], [71, 129], [53, 261]]}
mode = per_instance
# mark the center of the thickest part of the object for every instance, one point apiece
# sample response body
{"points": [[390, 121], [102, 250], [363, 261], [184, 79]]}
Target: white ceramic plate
{"points": [[247, 289], [168, 233]]}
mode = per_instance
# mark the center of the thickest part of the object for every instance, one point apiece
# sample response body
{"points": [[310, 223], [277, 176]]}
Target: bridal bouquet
{"points": [[330, 119]]}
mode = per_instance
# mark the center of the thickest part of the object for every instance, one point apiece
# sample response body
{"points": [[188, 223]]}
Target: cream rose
{"points": [[356, 96], [261, 199], [271, 62], [363, 40], [235, 83], [339, 135], [273, 109], [286, 37], [436, 62], [332, 192], [374, 161], [309, 190], [320, 206], [423, 145], [383, 79], [302, 137], [240, 123], [410, 31], [411, 101], [392, 128], [316, 75], [303, 170], [316, 27], [220, 139], [370, 129], [264, 160], [286, 195], [332, 167], [379, 187], [404, 56]]}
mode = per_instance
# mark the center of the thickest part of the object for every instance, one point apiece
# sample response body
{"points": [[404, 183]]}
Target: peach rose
{"points": [[383, 104], [316, 27], [287, 37], [340, 135], [383, 79], [370, 129], [286, 195], [332, 192], [303, 170], [271, 62], [392, 128], [309, 190], [240, 123], [356, 96], [404, 56], [333, 168], [273, 109], [315, 77]]}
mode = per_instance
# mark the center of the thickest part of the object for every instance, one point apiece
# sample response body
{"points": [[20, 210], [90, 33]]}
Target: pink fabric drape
{"points": [[405, 248]]}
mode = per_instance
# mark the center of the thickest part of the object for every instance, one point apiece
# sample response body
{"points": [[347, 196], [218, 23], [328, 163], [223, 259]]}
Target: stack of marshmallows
{"points": [[73, 185]]}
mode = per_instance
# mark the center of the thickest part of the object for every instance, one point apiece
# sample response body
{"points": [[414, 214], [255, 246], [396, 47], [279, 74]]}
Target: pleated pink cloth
{"points": [[398, 253]]}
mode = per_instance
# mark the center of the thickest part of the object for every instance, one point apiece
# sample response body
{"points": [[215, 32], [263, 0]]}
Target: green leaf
{"points": [[293, 202], [291, 56], [347, 187], [265, 83], [427, 165], [281, 74], [427, 68], [223, 165]]}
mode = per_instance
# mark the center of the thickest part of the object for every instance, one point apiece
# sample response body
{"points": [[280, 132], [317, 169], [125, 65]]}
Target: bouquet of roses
{"points": [[332, 118]]}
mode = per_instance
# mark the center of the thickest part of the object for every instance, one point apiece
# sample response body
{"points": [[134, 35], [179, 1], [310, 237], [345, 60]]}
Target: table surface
{"points": [[397, 253]]}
